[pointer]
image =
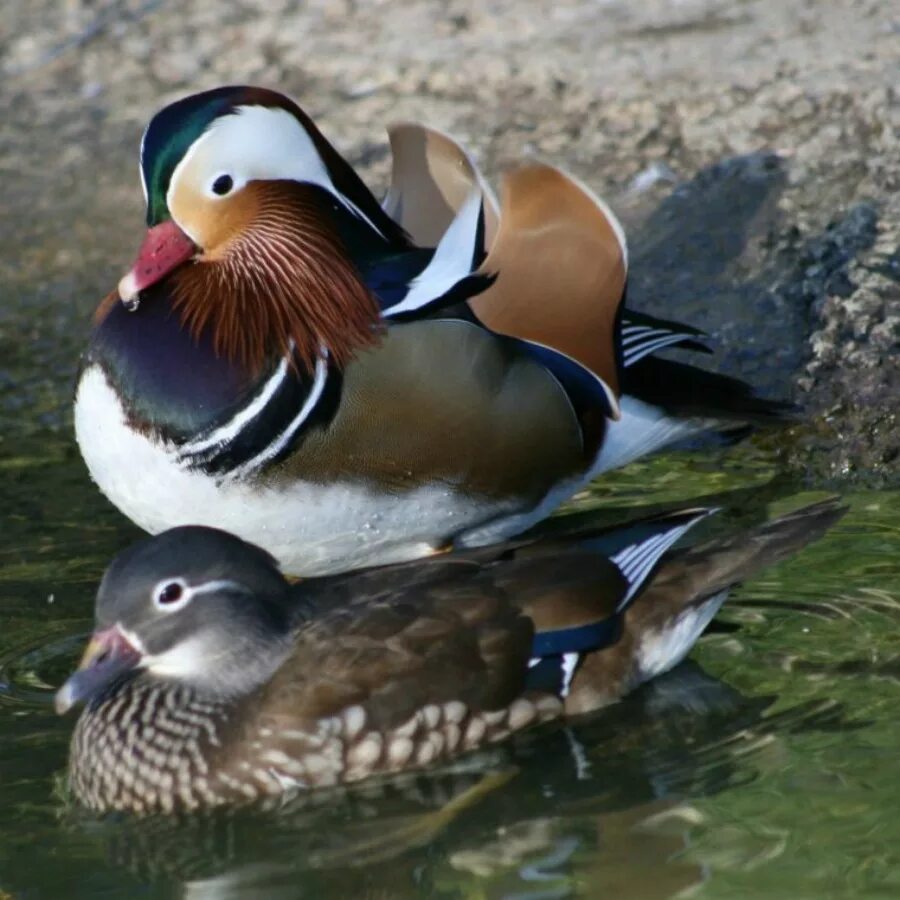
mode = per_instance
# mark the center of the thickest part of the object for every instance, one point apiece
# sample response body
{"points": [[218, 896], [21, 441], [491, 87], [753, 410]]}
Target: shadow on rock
{"points": [[717, 253]]}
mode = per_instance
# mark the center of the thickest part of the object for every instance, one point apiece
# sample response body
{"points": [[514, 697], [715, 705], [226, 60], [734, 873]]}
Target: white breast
{"points": [[311, 529]]}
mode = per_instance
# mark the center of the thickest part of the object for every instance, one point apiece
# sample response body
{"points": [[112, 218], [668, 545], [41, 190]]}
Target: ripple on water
{"points": [[31, 673]]}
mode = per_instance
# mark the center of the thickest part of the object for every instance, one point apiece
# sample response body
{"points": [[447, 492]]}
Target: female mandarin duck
{"points": [[286, 363], [210, 680]]}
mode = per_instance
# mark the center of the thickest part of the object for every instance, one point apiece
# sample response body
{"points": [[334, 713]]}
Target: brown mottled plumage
{"points": [[250, 689]]}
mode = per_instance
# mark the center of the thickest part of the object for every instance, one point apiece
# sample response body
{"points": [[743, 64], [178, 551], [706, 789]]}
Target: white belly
{"points": [[311, 529], [641, 430]]}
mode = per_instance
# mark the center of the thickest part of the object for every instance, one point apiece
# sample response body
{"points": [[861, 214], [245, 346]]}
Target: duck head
{"points": [[217, 620], [248, 212]]}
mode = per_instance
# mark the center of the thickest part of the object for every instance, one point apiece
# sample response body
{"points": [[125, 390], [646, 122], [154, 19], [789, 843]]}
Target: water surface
{"points": [[766, 766]]}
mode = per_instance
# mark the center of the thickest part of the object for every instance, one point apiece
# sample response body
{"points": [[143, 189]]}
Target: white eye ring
{"points": [[171, 594]]}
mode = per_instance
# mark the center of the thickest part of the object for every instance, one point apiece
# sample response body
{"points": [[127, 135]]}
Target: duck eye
{"points": [[169, 593], [222, 185]]}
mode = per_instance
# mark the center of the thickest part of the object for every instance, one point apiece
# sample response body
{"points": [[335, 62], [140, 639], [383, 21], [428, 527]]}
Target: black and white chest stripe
{"points": [[286, 403], [267, 426]]}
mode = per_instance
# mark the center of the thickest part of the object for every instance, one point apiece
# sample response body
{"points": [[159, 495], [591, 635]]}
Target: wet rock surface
{"points": [[752, 149]]}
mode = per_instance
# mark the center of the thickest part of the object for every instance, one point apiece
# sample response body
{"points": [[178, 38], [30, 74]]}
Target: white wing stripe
{"points": [[631, 563], [639, 334], [636, 561], [452, 260], [638, 572], [639, 351], [569, 664]]}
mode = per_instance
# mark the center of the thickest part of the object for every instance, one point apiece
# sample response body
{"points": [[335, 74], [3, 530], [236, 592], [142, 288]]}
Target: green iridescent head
{"points": [[169, 136]]}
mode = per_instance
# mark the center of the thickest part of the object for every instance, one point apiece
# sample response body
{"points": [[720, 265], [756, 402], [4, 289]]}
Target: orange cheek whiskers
{"points": [[285, 278]]}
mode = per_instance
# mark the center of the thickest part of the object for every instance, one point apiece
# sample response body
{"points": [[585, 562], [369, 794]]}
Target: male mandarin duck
{"points": [[285, 362], [210, 680]]}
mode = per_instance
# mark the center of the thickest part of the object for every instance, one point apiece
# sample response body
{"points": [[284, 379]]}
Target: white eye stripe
{"points": [[188, 592], [222, 584], [232, 144]]}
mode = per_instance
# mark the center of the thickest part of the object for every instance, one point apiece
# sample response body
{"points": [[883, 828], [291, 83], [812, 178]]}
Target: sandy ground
{"points": [[751, 147]]}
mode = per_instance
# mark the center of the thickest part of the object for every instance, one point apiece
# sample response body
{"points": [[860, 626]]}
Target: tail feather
{"points": [[670, 616], [720, 564], [662, 624], [687, 391]]}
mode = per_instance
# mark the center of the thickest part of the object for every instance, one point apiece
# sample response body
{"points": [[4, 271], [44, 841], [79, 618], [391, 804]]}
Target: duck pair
{"points": [[347, 383]]}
